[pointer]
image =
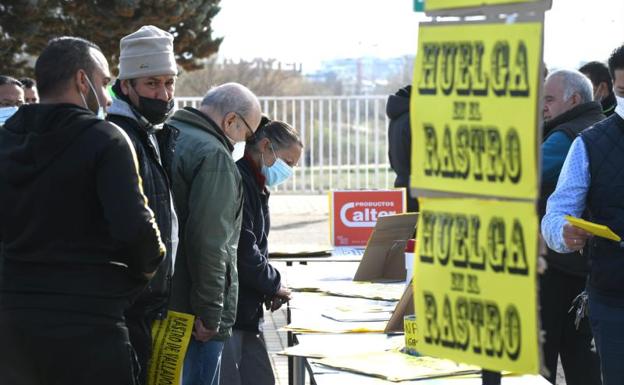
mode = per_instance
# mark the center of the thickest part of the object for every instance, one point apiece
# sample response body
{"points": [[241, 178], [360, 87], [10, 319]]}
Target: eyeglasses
{"points": [[246, 125]]}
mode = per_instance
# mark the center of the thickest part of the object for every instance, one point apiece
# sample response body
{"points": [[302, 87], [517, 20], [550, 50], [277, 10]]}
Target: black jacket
{"points": [[156, 187], [571, 123], [400, 140], [257, 279], [75, 228]]}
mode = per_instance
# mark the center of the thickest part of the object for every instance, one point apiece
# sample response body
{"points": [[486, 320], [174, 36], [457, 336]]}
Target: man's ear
{"points": [[81, 82], [125, 86], [602, 91]]}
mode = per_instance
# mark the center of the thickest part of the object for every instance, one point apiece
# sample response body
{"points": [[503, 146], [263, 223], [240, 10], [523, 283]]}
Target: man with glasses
{"points": [[208, 194]]}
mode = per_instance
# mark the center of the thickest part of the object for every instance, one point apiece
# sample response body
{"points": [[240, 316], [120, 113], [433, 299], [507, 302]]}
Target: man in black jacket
{"points": [[400, 140], [568, 110], [144, 98], [600, 77], [78, 240]]}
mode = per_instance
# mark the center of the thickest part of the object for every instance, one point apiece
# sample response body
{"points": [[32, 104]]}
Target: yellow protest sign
{"points": [[474, 109], [170, 339], [475, 288], [434, 5]]}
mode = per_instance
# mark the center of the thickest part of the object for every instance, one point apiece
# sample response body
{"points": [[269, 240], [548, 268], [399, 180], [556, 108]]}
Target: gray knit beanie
{"points": [[147, 52]]}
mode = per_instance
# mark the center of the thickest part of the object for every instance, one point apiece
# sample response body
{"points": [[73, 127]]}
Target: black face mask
{"points": [[155, 111]]}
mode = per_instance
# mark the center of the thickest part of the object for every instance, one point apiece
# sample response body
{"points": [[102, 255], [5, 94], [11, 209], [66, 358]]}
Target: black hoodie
{"points": [[75, 228], [400, 140]]}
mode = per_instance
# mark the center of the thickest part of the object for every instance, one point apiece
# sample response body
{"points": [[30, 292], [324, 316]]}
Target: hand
{"points": [[284, 293], [574, 237], [202, 333]]}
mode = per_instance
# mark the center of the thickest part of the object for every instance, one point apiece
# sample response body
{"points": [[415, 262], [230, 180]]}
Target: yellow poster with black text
{"points": [[475, 290], [474, 109], [170, 339], [434, 5]]}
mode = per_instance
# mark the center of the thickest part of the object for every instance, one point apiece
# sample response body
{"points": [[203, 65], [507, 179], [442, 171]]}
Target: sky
{"points": [[310, 31]]}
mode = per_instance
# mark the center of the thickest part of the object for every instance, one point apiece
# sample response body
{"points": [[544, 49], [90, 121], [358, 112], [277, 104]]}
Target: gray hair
{"points": [[231, 97], [574, 82]]}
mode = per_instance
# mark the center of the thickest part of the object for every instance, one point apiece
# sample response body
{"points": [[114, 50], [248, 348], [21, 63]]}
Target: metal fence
{"points": [[344, 138]]}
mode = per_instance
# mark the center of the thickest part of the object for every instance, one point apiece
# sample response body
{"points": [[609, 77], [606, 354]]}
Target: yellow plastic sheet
{"points": [[593, 228]]}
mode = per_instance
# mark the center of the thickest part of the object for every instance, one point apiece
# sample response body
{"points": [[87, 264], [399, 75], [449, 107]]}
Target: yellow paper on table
{"points": [[170, 339], [396, 366], [593, 228]]}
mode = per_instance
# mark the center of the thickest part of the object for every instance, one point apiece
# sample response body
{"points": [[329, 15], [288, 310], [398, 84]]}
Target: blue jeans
{"points": [[202, 364], [607, 323]]}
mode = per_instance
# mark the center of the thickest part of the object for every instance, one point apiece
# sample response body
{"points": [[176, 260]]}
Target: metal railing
{"points": [[344, 138]]}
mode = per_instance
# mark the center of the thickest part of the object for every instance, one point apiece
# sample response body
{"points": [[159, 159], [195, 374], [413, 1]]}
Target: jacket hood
{"points": [[37, 134], [398, 104], [202, 121]]}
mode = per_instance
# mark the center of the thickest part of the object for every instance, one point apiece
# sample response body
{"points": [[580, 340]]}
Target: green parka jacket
{"points": [[208, 193]]}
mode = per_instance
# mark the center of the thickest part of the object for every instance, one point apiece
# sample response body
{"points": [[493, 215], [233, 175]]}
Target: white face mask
{"points": [[239, 150], [620, 106], [100, 112], [6, 113]]}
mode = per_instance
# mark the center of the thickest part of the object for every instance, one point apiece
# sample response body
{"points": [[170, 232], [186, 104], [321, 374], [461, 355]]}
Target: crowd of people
{"points": [[115, 209], [582, 151]]}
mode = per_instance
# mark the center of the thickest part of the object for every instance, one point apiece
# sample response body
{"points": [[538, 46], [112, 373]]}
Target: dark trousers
{"points": [[140, 330], [580, 365], [57, 348], [607, 322], [245, 360]]}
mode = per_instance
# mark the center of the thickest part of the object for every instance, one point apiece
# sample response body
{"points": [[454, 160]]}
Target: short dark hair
{"points": [[60, 60], [281, 135], [28, 82], [4, 80], [616, 60], [597, 72]]}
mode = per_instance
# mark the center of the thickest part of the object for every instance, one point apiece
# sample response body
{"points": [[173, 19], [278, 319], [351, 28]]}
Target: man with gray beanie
{"points": [[143, 100], [209, 196]]}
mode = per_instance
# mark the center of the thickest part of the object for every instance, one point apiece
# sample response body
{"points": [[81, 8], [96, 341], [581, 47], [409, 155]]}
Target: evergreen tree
{"points": [[27, 25]]}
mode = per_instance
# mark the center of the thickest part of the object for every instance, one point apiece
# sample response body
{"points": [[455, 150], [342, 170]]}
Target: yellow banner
{"points": [[475, 288], [434, 5], [474, 109], [170, 339]]}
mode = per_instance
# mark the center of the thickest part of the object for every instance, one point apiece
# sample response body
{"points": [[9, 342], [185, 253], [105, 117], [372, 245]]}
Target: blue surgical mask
{"points": [[6, 113], [277, 173]]}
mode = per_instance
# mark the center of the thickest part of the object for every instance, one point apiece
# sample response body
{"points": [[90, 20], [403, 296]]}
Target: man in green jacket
{"points": [[209, 197]]}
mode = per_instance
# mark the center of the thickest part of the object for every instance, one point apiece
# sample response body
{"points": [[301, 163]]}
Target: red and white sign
{"points": [[353, 214]]}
